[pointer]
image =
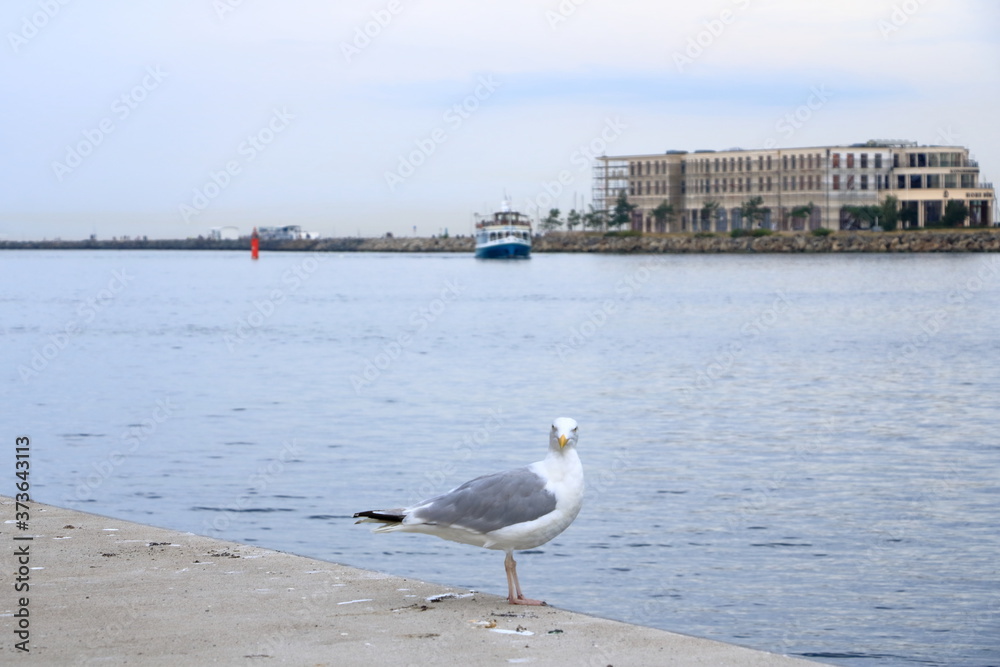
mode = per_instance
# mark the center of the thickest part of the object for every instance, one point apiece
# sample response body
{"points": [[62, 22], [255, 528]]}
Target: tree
{"points": [[573, 218], [551, 221], [622, 212], [888, 216], [664, 215], [753, 212], [909, 215], [594, 218], [803, 212], [864, 214], [955, 213], [708, 213]]}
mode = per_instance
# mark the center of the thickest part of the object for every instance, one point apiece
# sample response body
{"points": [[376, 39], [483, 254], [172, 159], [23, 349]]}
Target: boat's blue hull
{"points": [[504, 251]]}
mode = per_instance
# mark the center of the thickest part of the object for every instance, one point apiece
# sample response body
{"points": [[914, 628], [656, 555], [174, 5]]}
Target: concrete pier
{"points": [[110, 592]]}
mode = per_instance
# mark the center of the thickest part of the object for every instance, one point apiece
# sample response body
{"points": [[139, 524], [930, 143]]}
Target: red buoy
{"points": [[254, 244]]}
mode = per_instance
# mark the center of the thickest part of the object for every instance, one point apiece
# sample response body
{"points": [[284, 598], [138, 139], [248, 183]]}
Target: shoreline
{"points": [[930, 240], [118, 592]]}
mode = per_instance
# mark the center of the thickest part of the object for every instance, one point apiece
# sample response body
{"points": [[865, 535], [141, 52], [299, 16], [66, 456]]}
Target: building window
{"points": [[836, 160], [864, 181], [850, 182], [769, 169], [878, 160], [864, 160], [769, 178], [836, 180], [793, 162], [950, 181], [760, 183], [809, 182], [802, 182], [748, 184], [631, 189], [901, 182], [850, 160], [784, 182], [716, 185], [895, 160], [933, 181], [784, 162], [915, 181]]}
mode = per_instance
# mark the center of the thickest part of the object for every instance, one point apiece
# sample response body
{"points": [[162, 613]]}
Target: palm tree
{"points": [[754, 211], [803, 212], [664, 216], [708, 213], [551, 221], [595, 219], [573, 218]]}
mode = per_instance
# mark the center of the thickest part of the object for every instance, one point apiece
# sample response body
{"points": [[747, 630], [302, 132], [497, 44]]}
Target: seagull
{"points": [[516, 509]]}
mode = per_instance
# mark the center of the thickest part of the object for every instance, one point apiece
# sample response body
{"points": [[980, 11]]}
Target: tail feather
{"points": [[381, 516]]}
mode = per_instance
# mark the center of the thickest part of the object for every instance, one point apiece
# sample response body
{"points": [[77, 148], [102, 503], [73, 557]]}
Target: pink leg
{"points": [[514, 594]]}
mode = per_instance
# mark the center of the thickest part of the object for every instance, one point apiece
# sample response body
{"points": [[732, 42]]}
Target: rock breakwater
{"points": [[978, 240]]}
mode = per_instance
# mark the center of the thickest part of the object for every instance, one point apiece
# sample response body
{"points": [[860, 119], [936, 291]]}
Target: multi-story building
{"points": [[706, 189]]}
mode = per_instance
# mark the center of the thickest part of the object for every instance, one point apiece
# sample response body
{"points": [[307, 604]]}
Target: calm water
{"points": [[799, 454]]}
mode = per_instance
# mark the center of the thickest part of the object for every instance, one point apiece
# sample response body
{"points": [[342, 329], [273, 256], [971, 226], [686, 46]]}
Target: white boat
{"points": [[506, 235]]}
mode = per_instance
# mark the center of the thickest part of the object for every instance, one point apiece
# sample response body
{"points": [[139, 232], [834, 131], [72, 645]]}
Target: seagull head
{"points": [[563, 433]]}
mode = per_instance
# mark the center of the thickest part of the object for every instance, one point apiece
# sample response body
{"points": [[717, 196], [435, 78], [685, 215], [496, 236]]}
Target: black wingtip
{"points": [[380, 516]]}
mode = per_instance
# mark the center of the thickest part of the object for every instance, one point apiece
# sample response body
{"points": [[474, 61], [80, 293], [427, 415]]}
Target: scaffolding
{"points": [[610, 181]]}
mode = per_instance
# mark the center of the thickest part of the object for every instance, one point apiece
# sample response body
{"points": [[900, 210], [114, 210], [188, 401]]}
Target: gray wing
{"points": [[490, 502]]}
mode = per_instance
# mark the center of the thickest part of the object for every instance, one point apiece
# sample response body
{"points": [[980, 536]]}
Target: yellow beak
{"points": [[562, 441]]}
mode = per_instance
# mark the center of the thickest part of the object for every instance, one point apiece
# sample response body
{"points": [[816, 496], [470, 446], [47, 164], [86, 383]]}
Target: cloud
{"points": [[355, 116]]}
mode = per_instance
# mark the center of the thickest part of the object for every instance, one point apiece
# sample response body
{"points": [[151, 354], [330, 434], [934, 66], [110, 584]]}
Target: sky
{"points": [[166, 118]]}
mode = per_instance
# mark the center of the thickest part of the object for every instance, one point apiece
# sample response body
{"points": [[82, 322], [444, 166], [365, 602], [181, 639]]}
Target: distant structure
{"points": [[286, 233], [229, 233], [706, 188]]}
